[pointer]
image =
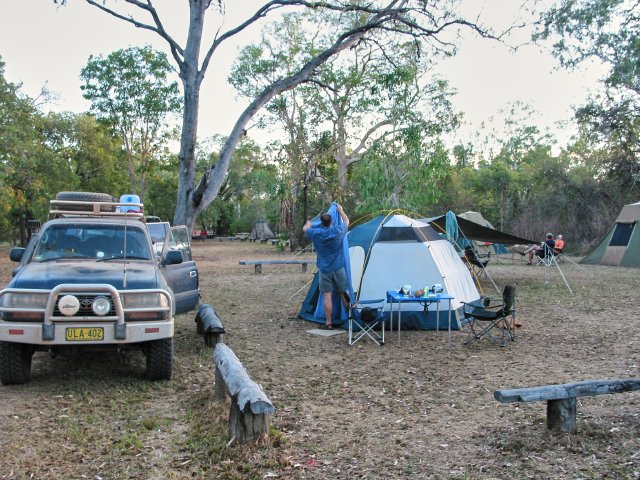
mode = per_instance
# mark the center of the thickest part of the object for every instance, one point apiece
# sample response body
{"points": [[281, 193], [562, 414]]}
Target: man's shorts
{"points": [[337, 279]]}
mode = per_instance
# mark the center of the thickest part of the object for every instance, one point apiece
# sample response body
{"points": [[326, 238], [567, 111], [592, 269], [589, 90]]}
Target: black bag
{"points": [[368, 314]]}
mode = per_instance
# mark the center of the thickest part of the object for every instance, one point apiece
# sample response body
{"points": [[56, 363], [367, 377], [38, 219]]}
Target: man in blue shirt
{"points": [[327, 240]]}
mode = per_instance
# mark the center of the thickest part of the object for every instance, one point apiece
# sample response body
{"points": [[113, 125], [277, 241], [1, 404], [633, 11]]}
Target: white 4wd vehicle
{"points": [[90, 280]]}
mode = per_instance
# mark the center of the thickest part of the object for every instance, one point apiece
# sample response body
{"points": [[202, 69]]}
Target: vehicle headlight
{"points": [[145, 300], [157, 306], [33, 304], [25, 300], [101, 306]]}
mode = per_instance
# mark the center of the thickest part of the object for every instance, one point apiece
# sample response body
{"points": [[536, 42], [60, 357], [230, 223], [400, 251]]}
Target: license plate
{"points": [[82, 334]]}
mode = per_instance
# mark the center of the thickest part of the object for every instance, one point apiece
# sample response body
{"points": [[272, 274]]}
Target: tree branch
{"points": [[371, 131], [176, 49], [276, 4], [343, 42]]}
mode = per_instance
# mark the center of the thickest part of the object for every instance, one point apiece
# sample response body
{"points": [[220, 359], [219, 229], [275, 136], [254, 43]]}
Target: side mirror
{"points": [[173, 257], [16, 254]]}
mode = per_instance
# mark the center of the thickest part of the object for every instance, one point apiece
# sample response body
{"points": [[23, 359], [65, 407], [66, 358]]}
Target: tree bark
{"points": [[191, 80]]}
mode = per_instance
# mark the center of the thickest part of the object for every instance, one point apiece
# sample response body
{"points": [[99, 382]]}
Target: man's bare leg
{"points": [[328, 308]]}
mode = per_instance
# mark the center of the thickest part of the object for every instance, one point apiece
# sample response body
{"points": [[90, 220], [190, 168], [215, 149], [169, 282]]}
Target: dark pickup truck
{"points": [[90, 280]]}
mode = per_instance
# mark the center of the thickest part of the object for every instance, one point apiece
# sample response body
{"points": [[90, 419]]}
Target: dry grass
{"points": [[419, 411]]}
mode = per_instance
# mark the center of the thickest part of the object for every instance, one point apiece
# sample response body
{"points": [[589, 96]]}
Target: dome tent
{"points": [[390, 251]]}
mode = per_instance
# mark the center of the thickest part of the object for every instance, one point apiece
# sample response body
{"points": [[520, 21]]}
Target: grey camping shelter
{"points": [[621, 245], [261, 231]]}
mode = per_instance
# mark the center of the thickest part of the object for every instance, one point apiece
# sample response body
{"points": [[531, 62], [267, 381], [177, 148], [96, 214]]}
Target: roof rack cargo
{"points": [[89, 204]]}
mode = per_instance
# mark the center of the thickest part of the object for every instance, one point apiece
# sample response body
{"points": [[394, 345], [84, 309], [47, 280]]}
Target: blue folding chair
{"points": [[365, 317]]}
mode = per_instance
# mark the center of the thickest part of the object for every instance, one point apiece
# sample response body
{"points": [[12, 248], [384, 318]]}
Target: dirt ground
{"points": [[419, 410]]}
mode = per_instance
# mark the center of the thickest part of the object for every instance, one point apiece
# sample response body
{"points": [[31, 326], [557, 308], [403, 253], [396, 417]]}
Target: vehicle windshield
{"points": [[93, 242]]}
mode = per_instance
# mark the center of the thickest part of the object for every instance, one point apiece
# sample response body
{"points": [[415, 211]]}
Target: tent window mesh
{"points": [[621, 234]]}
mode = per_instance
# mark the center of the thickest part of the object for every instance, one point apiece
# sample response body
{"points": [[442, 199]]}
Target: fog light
{"points": [[101, 306], [69, 305]]}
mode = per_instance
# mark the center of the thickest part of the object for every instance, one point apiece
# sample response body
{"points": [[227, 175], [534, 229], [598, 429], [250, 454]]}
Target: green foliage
{"points": [[360, 107], [401, 173], [162, 189], [34, 158], [95, 159], [250, 190], [603, 29], [609, 31], [131, 91], [42, 154]]}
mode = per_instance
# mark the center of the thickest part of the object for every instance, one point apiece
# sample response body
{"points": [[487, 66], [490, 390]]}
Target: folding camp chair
{"points": [[545, 256], [484, 319], [474, 263], [364, 317]]}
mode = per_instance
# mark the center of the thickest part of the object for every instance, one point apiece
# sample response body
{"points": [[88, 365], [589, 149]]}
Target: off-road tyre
{"points": [[85, 197], [160, 359], [15, 363]]}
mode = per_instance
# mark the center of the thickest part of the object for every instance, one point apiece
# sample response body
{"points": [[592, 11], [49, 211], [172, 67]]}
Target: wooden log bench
{"points": [[251, 409], [276, 241], [561, 399], [258, 263], [209, 325]]}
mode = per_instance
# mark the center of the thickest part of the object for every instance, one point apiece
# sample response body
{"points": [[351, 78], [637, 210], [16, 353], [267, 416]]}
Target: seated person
{"points": [[559, 246], [539, 250]]}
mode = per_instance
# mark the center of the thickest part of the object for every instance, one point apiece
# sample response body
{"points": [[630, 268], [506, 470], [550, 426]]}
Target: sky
{"points": [[44, 44]]}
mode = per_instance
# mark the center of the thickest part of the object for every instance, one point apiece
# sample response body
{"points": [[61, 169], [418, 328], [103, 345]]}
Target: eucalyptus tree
{"points": [[132, 92], [431, 23], [501, 173], [249, 192], [404, 171], [260, 65], [605, 31], [354, 100], [92, 151], [32, 168]]}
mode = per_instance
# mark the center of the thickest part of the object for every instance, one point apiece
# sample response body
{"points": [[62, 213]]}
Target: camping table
{"points": [[394, 297]]}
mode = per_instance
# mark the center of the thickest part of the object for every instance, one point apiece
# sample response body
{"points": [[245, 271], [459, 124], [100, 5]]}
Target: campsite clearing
{"points": [[415, 412]]}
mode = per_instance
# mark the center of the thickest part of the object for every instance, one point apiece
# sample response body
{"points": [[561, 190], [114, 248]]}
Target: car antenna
{"points": [[124, 252], [124, 256]]}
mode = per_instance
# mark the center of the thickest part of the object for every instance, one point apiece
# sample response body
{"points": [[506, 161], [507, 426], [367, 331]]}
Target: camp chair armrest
{"points": [[369, 302], [360, 304], [497, 306]]}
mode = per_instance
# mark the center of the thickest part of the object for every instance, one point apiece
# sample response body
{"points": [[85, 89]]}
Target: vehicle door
{"points": [[158, 232], [181, 277], [26, 254]]}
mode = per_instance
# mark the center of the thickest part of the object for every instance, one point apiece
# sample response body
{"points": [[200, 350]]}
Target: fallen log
{"points": [[209, 325]]}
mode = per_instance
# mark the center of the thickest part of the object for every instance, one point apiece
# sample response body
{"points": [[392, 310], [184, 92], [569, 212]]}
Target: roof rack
{"points": [[75, 208]]}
